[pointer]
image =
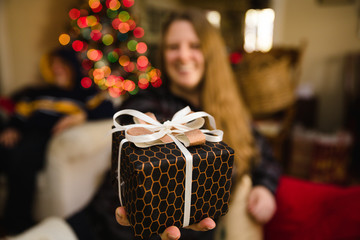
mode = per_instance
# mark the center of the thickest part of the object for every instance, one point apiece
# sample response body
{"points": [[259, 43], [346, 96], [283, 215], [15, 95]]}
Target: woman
{"points": [[196, 72], [41, 112]]}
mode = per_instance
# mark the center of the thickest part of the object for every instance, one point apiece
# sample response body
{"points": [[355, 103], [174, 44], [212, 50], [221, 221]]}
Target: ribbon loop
{"points": [[184, 129]]}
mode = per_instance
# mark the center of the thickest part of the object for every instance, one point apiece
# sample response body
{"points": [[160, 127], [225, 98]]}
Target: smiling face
{"points": [[184, 59]]}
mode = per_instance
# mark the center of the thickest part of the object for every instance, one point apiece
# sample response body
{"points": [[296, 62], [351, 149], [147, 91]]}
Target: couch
{"points": [[76, 162]]}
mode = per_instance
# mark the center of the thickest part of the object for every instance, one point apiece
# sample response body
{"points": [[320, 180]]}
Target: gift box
{"points": [[152, 184]]}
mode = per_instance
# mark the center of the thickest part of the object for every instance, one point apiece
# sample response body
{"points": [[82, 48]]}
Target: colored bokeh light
{"points": [[132, 24], [114, 4], [98, 74], [141, 47], [82, 22], [124, 27], [128, 3], [115, 23], [113, 56], [74, 14], [94, 3], [91, 21], [138, 32], [124, 60], [64, 39], [124, 16], [143, 83], [157, 83], [111, 13], [130, 67], [87, 64], [132, 45], [86, 82], [143, 61], [107, 39], [95, 35], [129, 85], [94, 55], [77, 45]]}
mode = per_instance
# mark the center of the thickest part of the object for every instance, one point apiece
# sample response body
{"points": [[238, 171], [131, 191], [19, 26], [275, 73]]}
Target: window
{"points": [[259, 25], [214, 18]]}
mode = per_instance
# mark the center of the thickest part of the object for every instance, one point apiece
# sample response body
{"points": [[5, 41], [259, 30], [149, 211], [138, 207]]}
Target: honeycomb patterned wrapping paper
{"points": [[153, 183]]}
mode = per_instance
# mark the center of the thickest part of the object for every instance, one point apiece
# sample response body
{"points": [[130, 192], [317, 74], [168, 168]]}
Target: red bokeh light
{"points": [[142, 61], [74, 14], [143, 83], [138, 32], [87, 64], [128, 3], [157, 83], [86, 82], [141, 47], [77, 45], [95, 35], [82, 22]]}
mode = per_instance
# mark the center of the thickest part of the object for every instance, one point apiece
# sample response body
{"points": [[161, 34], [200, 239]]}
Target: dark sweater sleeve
{"points": [[266, 171]]}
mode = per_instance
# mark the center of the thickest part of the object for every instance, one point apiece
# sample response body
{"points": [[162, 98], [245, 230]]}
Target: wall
{"points": [[27, 30], [330, 33]]}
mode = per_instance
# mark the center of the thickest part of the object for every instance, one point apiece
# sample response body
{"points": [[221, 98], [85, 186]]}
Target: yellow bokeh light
{"points": [[114, 5], [124, 60], [98, 74], [91, 21], [106, 70], [94, 3], [64, 39]]}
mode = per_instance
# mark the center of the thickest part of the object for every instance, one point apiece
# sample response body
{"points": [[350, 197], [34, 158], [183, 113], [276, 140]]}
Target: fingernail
{"points": [[172, 237], [211, 227]]}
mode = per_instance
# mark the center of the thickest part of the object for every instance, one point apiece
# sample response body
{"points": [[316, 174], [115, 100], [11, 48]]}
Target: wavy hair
{"points": [[220, 94]]}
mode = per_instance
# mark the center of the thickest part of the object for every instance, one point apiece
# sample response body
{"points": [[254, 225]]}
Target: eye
{"points": [[172, 46], [195, 46]]}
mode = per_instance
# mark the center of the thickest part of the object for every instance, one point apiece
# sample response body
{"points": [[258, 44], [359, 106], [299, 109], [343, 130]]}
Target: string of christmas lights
{"points": [[108, 40]]}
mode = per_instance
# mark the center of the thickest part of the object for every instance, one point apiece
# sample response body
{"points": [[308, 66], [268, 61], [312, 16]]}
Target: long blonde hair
{"points": [[220, 95]]}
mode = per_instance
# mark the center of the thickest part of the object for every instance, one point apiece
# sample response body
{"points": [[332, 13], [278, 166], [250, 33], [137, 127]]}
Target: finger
{"points": [[121, 217], [170, 233], [253, 201], [204, 225]]}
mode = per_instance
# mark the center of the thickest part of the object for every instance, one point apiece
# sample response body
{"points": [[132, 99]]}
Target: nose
{"points": [[184, 53]]}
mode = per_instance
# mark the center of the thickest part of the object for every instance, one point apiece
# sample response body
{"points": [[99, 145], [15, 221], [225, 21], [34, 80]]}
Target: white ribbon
{"points": [[182, 121]]}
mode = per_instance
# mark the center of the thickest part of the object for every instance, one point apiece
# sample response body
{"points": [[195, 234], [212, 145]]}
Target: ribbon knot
{"points": [[168, 126], [184, 129]]}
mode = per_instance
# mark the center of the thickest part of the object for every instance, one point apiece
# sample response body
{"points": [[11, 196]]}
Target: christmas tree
{"points": [[108, 41]]}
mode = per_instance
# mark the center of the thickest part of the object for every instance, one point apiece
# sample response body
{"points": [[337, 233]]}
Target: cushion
{"points": [[308, 210]]}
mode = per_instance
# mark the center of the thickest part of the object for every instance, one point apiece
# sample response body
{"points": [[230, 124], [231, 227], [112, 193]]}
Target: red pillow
{"points": [[308, 210], [6, 105]]}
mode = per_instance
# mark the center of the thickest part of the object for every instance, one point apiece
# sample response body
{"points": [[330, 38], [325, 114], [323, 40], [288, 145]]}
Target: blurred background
{"points": [[297, 63]]}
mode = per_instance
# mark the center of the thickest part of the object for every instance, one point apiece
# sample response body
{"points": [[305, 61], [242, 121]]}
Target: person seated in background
{"points": [[41, 112]]}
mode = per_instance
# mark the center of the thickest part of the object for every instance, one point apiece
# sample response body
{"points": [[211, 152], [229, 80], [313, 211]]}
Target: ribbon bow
{"points": [[183, 129]]}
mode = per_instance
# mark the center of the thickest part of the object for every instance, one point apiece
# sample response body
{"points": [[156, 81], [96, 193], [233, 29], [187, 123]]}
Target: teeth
{"points": [[184, 67]]}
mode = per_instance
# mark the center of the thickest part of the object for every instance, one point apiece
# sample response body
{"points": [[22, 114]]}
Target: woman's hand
{"points": [[10, 137], [69, 121], [170, 233], [261, 204]]}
